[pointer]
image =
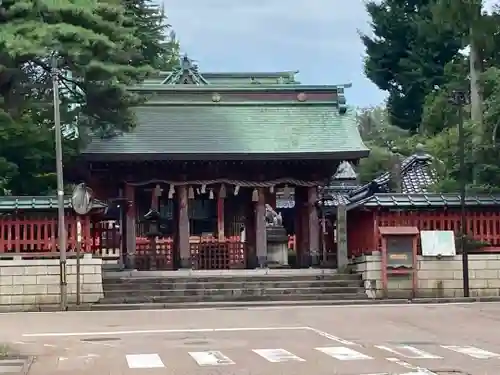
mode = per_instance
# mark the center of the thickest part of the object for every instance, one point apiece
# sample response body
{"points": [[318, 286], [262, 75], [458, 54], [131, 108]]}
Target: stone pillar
{"points": [[313, 225], [260, 228], [342, 252], [130, 223], [220, 217], [183, 227]]}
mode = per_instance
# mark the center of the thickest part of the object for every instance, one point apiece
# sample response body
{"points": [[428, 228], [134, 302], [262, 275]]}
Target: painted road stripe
{"points": [[416, 370], [408, 351], [211, 358], [471, 351], [343, 354], [144, 361], [277, 355]]}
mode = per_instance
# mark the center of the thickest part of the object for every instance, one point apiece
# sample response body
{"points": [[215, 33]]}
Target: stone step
{"points": [[228, 284], [223, 279], [232, 298], [230, 292]]}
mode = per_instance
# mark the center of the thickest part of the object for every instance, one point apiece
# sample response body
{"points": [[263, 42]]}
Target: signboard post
{"points": [[81, 201]]}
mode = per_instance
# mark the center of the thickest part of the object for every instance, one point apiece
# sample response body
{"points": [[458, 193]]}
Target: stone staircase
{"points": [[169, 291]]}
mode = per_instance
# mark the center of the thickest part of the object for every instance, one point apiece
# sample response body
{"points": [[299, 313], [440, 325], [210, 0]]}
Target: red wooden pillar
{"points": [[130, 223], [301, 225]]}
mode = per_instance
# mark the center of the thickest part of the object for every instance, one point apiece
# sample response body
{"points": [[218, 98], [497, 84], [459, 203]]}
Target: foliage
{"points": [[99, 47], [406, 55]]}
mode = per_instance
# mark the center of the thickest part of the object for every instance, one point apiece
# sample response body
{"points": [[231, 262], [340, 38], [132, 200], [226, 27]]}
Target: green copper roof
{"points": [[236, 130], [32, 203], [187, 73]]}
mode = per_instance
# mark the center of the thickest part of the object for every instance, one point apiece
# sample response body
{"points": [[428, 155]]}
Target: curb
{"points": [[235, 305], [251, 304]]}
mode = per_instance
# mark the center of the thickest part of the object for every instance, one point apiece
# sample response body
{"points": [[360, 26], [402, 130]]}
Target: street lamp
{"points": [[459, 98], [60, 190]]}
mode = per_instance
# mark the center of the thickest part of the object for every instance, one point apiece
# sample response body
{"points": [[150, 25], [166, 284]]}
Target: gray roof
{"points": [[345, 171], [417, 175], [426, 201]]}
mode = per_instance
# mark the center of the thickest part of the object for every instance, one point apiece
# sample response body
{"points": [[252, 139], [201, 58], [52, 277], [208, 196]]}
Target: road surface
{"points": [[349, 340]]}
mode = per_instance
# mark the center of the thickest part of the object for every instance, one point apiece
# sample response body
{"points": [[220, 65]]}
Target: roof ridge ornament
{"points": [[187, 68]]}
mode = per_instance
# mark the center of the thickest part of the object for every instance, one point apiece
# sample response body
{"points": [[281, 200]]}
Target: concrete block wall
{"points": [[436, 277], [29, 284]]}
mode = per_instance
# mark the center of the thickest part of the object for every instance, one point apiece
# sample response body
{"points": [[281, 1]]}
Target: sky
{"points": [[319, 38]]}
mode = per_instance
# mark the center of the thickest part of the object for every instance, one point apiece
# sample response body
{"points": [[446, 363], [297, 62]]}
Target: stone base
{"points": [[185, 263]]}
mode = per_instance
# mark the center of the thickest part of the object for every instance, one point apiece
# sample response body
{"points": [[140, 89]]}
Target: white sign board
{"points": [[438, 243]]}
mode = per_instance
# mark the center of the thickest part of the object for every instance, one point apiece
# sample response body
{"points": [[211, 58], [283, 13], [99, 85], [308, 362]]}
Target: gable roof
{"points": [[417, 175]]}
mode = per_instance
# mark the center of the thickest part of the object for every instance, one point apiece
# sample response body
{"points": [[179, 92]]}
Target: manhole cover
{"points": [[99, 339], [197, 342], [413, 342]]}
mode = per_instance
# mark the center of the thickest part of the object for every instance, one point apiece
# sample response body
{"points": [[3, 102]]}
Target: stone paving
{"points": [[403, 339]]}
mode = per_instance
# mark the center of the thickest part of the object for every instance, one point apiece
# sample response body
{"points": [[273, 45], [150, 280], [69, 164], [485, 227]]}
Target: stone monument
{"points": [[277, 239]]}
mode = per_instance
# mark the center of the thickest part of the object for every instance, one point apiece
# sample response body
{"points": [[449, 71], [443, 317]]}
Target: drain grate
{"points": [[101, 339], [197, 342]]}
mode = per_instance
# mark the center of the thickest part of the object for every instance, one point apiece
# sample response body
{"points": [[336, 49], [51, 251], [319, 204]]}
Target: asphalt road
{"points": [[350, 340]]}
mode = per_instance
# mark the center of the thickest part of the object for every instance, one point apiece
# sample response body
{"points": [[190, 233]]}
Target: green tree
{"points": [[406, 55], [99, 51]]}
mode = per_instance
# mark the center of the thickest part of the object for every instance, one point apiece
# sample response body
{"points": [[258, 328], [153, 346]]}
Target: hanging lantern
{"points": [[198, 191], [255, 195], [190, 193], [236, 189], [171, 191], [158, 191], [271, 189], [203, 189], [287, 192], [211, 194], [222, 191]]}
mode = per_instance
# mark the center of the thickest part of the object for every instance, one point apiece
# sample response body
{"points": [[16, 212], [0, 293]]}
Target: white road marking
{"points": [[144, 361], [152, 331], [472, 351], [419, 370], [211, 358], [408, 351], [343, 354], [277, 355], [332, 337]]}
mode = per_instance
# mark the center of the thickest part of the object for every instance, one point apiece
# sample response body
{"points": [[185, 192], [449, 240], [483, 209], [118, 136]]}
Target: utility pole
{"points": [[60, 191], [459, 98]]}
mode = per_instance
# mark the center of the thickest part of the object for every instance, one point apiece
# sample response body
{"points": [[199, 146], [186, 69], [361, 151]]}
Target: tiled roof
{"points": [[417, 175], [425, 200], [235, 129], [30, 203], [345, 171]]}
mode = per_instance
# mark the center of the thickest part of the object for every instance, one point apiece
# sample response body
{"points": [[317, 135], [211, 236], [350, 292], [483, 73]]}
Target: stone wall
{"points": [[32, 284], [436, 277]]}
